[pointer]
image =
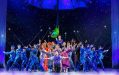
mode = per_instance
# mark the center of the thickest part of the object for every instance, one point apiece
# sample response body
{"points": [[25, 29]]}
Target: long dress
{"points": [[65, 61]]}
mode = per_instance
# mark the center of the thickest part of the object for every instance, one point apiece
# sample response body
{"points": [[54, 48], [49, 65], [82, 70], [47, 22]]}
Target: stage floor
{"points": [[68, 73]]}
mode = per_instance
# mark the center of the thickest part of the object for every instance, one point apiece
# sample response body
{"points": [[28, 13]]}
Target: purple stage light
{"points": [[115, 33]]}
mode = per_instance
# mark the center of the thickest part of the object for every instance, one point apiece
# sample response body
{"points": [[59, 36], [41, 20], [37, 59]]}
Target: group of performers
{"points": [[55, 56]]}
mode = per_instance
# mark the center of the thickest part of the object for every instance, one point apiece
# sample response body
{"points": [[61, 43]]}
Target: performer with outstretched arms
{"points": [[57, 61], [57, 64], [100, 56], [11, 58]]}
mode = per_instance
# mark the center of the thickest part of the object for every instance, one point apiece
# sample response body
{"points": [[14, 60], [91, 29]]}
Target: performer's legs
{"points": [[100, 61], [50, 67], [77, 66], [16, 64], [23, 64], [27, 66], [94, 65], [57, 68], [9, 63], [85, 66], [31, 65], [36, 65], [71, 63]]}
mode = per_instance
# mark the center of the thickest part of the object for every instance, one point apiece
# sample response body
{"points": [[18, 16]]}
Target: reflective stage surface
{"points": [[109, 72]]}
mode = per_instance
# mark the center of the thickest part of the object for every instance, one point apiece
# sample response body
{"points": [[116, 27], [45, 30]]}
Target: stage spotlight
{"points": [[9, 29], [74, 31], [105, 26], [41, 30]]}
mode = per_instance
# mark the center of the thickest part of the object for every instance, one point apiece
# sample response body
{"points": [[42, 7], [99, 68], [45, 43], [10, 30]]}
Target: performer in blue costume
{"points": [[34, 62], [28, 63], [17, 60], [24, 59], [100, 56], [12, 56], [88, 58], [94, 59], [59, 41], [83, 57]]}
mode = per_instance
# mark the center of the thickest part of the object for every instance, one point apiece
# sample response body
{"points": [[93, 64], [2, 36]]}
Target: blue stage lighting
{"points": [[63, 4]]}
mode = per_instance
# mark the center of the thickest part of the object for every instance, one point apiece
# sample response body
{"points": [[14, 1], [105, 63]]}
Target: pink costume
{"points": [[65, 61]]}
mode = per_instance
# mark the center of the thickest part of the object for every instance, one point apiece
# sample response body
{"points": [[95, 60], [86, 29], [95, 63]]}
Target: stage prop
{"points": [[55, 32]]}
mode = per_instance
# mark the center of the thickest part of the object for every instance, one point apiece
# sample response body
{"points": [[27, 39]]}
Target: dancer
{"points": [[17, 60], [94, 59], [50, 62], [59, 41], [42, 56], [88, 58], [65, 62], [77, 56], [59, 57], [24, 59], [70, 51], [100, 56], [11, 58], [34, 62], [83, 58], [57, 64]]}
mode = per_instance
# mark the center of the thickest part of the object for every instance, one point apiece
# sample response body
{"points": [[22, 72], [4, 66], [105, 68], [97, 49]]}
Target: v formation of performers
{"points": [[55, 56]]}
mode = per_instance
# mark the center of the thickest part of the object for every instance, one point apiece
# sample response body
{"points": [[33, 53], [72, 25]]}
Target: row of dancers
{"points": [[55, 56]]}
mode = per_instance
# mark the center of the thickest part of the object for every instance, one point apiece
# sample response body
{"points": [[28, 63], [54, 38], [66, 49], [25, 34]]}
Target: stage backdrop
{"points": [[115, 33], [3, 7]]}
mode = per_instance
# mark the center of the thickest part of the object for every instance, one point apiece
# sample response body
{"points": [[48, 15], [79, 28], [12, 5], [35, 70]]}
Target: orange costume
{"points": [[46, 63]]}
